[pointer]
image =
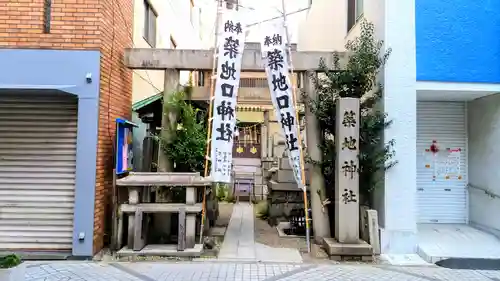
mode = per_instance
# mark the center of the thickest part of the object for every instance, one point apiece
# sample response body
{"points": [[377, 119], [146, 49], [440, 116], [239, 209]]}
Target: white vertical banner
{"points": [[230, 51], [274, 54]]}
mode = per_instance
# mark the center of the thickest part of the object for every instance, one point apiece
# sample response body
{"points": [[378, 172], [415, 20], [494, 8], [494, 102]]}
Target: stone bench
{"points": [[137, 183], [161, 208], [163, 179]]}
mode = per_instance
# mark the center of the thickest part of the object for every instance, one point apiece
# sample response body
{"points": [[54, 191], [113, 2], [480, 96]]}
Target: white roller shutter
{"points": [[37, 171], [441, 200]]}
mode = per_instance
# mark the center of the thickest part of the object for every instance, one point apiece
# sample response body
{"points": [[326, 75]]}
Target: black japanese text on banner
{"points": [[230, 52], [274, 53]]}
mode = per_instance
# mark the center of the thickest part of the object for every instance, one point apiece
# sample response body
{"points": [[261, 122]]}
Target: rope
{"points": [[250, 126]]}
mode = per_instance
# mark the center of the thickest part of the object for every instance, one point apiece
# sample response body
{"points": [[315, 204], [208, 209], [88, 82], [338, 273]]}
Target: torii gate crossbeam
{"points": [[160, 59]]}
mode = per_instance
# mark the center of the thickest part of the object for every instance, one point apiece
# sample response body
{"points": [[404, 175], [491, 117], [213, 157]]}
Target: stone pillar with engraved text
{"points": [[347, 171]]}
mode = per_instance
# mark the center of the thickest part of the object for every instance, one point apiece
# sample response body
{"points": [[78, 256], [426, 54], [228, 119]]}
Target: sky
{"points": [[253, 11], [266, 9]]}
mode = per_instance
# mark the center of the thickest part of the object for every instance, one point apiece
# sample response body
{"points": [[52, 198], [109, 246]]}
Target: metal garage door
{"points": [[37, 171], [442, 177]]}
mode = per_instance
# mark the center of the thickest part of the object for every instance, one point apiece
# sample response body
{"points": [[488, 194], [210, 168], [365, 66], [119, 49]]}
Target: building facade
{"points": [[165, 24], [440, 89], [256, 140], [161, 24], [259, 132], [62, 86]]}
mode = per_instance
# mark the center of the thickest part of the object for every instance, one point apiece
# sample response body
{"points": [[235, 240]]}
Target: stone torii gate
{"points": [[172, 61]]}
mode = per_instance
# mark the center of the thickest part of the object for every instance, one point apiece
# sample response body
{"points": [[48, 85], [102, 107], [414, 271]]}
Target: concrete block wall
{"points": [[103, 25], [483, 136]]}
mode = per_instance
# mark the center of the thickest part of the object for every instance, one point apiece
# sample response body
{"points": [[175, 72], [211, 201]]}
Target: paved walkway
{"points": [[239, 242], [222, 271], [439, 241]]}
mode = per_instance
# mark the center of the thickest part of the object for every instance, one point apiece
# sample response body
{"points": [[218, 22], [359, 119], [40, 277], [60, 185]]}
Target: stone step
{"points": [[282, 186], [247, 162], [340, 251], [245, 177], [287, 176], [161, 208], [245, 193], [247, 170]]}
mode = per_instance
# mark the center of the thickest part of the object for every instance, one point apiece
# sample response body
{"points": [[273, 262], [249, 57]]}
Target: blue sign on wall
{"points": [[123, 153]]}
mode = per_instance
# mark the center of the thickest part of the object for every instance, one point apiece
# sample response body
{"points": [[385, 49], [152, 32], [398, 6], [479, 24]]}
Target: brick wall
{"points": [[115, 101], [83, 24], [75, 24]]}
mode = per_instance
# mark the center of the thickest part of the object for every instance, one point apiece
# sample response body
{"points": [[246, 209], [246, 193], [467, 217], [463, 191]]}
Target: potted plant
{"points": [[11, 268]]}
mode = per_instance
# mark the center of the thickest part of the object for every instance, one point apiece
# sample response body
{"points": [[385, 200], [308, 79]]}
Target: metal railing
{"points": [[485, 190]]}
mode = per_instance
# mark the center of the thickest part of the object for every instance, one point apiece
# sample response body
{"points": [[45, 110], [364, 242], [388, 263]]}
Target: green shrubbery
{"points": [[10, 261], [358, 79], [186, 148]]}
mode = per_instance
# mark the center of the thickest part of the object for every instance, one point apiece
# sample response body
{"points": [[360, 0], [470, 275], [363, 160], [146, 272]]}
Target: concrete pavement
{"points": [[231, 271], [242, 259], [239, 241]]}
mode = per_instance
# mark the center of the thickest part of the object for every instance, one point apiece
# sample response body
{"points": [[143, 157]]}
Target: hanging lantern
{"points": [[236, 135], [244, 136], [254, 135], [253, 150], [236, 132]]}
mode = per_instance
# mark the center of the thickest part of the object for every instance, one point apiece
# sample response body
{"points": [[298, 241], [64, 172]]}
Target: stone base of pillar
{"points": [[346, 251]]}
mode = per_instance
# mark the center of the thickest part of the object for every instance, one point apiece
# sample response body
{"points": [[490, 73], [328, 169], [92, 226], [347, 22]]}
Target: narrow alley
{"points": [[239, 242]]}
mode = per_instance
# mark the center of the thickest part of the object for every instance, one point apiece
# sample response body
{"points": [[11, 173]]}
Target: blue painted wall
{"points": [[66, 71], [458, 40]]}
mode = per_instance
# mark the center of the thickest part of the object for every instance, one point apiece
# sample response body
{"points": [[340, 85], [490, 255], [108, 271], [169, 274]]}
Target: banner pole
{"points": [[210, 109], [294, 93]]}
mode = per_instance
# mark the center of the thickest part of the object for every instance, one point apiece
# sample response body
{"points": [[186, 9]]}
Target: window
{"points": [[253, 83], [150, 16], [354, 12], [201, 78]]}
